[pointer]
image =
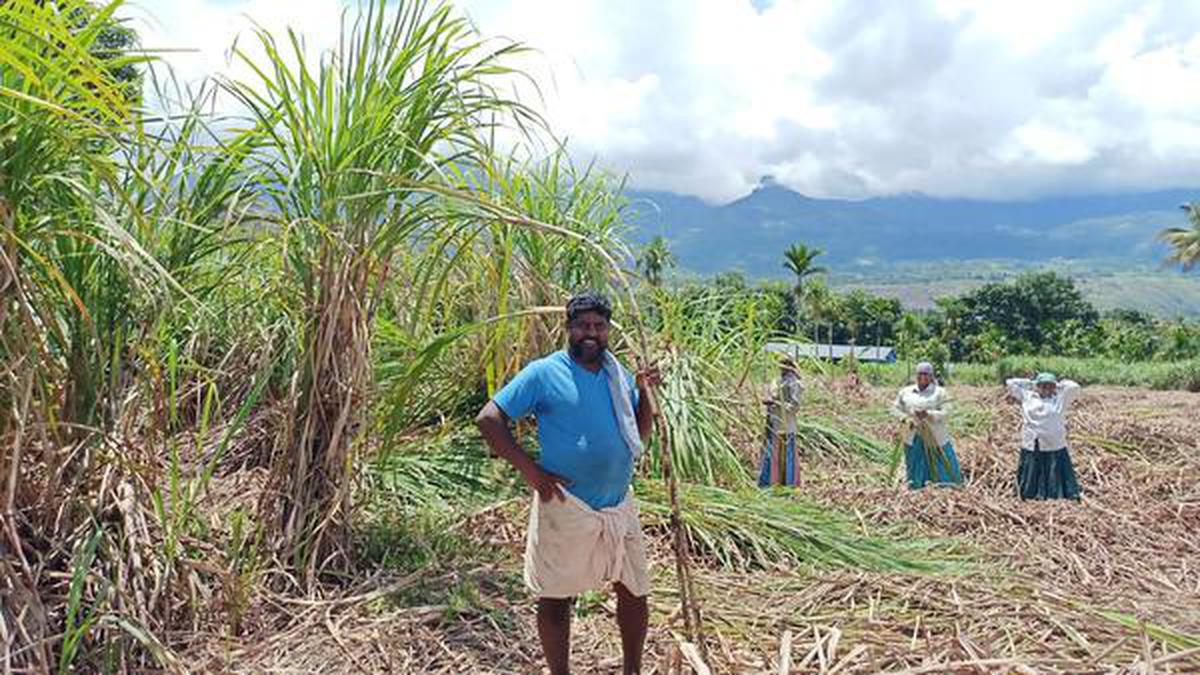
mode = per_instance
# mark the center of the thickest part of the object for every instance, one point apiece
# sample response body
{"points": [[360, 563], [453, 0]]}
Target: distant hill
{"points": [[750, 234]]}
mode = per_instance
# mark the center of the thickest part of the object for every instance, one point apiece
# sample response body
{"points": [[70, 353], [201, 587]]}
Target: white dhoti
{"points": [[571, 547]]}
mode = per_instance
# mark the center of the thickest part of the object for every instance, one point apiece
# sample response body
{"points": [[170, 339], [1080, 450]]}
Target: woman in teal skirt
{"points": [[1044, 470], [928, 451]]}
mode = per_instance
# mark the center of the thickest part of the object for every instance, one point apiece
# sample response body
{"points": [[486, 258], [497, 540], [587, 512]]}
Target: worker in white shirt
{"points": [[1044, 470], [928, 450]]}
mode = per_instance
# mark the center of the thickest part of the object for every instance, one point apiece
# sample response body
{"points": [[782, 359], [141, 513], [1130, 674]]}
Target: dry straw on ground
{"points": [[1109, 585]]}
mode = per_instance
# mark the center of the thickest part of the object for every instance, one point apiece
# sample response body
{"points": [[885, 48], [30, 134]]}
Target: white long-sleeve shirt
{"points": [[1043, 420], [934, 400]]}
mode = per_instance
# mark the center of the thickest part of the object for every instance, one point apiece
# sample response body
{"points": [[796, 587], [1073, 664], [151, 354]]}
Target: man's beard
{"points": [[586, 351]]}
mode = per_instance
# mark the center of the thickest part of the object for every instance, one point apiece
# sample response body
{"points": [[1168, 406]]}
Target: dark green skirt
{"points": [[1046, 475]]}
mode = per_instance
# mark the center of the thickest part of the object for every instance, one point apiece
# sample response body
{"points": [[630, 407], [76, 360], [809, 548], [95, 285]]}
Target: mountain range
{"points": [[750, 234]]}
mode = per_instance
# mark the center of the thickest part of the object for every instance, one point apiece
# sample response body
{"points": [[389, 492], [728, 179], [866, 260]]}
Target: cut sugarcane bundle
{"points": [[935, 454]]}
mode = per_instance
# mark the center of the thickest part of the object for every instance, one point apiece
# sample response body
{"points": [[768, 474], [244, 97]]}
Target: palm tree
{"points": [[823, 307], [798, 259], [910, 329], [655, 259], [1185, 241]]}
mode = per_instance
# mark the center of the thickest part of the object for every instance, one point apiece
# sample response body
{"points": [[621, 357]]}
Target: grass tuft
{"points": [[771, 528]]}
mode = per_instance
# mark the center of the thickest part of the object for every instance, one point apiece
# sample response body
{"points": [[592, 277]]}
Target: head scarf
{"points": [[927, 368]]}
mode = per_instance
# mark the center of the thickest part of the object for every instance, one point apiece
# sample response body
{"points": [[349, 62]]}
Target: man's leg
{"points": [[633, 615], [554, 630]]}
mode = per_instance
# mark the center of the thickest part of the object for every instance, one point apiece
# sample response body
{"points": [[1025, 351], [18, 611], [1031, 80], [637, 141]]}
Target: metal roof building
{"points": [[802, 350]]}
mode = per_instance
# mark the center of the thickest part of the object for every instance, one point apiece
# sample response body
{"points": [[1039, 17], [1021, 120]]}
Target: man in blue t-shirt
{"points": [[583, 521]]}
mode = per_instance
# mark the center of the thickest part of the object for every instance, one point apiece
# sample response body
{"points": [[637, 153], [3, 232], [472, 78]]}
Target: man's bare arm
{"points": [[493, 426], [647, 380]]}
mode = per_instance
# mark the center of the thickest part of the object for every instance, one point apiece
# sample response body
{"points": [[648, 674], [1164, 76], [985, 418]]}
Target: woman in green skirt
{"points": [[1044, 470], [928, 451]]}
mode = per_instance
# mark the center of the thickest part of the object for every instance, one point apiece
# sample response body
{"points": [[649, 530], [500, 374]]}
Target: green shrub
{"points": [[900, 374], [1162, 375], [1178, 375], [1105, 371]]}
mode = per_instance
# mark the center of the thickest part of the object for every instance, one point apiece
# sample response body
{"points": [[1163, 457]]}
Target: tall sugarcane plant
{"points": [[65, 262], [342, 142], [712, 339], [522, 264], [486, 274], [61, 114]]}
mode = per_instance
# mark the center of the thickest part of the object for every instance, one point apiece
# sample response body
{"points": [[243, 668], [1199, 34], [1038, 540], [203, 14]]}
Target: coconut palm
{"points": [[821, 301], [798, 259], [909, 328], [1184, 241], [655, 259]]}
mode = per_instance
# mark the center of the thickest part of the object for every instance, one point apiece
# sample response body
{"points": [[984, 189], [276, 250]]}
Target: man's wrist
{"points": [[529, 468]]}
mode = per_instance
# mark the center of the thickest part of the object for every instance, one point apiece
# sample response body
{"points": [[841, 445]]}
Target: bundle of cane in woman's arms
{"points": [[934, 453]]}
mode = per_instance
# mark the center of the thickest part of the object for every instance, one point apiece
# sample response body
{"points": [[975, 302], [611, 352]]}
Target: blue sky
{"points": [[842, 98]]}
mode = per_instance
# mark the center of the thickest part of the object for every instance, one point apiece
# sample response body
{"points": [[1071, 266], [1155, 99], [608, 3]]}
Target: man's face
{"points": [[1047, 389], [923, 380], [587, 337]]}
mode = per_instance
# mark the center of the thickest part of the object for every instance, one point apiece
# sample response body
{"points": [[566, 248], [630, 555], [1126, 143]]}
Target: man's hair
{"points": [[588, 302]]}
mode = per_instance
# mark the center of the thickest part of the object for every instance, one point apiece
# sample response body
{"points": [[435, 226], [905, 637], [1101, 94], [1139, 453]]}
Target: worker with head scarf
{"points": [[928, 450], [1044, 470], [780, 462]]}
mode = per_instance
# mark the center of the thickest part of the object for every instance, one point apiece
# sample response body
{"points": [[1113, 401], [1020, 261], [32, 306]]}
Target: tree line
{"points": [[1041, 313]]}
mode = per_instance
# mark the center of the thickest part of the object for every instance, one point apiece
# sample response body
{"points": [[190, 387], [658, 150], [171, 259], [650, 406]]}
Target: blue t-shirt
{"points": [[577, 428]]}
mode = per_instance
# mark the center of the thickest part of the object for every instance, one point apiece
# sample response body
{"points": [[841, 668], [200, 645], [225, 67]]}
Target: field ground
{"points": [[1108, 585]]}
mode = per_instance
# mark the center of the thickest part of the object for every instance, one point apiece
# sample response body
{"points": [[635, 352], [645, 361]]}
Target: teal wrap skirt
{"points": [[917, 464]]}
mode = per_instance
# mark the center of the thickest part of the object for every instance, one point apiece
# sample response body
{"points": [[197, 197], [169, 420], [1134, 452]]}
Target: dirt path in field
{"points": [[1111, 584]]}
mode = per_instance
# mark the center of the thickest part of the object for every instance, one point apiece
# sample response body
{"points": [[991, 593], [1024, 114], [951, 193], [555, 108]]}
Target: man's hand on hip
{"points": [[547, 485]]}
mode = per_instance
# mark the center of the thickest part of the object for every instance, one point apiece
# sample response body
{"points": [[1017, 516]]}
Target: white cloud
{"points": [[846, 98], [1048, 144], [197, 36]]}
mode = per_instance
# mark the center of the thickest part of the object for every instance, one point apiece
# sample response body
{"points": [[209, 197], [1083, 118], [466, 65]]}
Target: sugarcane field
{"points": [[409, 336]]}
